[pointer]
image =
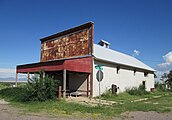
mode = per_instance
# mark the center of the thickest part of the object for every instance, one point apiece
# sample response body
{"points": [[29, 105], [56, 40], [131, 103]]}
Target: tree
{"points": [[169, 80], [165, 75]]}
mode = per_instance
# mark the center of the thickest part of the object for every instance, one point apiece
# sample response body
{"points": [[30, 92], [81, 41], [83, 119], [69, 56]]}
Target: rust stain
{"points": [[70, 45]]}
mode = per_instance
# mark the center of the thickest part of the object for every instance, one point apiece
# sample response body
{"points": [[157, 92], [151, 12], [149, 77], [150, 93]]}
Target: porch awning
{"points": [[73, 64]]}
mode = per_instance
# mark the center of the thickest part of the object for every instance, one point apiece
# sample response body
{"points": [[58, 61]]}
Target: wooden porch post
{"points": [[16, 78], [88, 85], [43, 75], [28, 76], [64, 83]]}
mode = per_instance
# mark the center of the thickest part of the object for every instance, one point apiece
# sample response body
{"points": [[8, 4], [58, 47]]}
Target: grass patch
{"points": [[65, 109], [162, 103], [155, 101], [4, 85], [137, 90], [15, 97], [13, 94], [122, 97]]}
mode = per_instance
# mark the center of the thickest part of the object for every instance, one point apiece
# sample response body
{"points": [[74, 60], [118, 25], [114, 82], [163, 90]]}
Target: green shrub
{"points": [[21, 85], [40, 88], [10, 84], [160, 87], [2, 86], [107, 94], [5, 85], [137, 90], [13, 94]]}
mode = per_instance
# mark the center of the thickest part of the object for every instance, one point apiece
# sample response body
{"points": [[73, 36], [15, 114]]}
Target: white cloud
{"points": [[168, 57], [136, 52], [167, 65]]}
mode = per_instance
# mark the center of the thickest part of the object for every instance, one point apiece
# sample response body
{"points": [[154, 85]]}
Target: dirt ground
{"points": [[10, 113], [139, 115]]}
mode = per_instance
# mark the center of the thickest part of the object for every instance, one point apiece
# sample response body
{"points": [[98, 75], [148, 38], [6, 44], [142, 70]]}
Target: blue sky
{"points": [[143, 25]]}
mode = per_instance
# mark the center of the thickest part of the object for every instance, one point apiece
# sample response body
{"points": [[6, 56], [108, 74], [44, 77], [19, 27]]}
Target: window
{"points": [[117, 69], [146, 74], [134, 72], [144, 84]]}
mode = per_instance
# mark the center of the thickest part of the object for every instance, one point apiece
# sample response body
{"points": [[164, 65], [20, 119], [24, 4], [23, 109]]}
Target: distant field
{"points": [[9, 81], [12, 79], [8, 84]]}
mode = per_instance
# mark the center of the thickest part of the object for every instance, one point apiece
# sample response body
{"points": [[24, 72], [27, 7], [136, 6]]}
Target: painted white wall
{"points": [[124, 79]]}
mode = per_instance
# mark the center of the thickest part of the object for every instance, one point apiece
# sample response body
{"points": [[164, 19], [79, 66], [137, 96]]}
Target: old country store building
{"points": [[71, 56]]}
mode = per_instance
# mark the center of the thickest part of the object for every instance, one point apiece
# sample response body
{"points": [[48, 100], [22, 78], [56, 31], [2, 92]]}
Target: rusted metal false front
{"points": [[77, 43]]}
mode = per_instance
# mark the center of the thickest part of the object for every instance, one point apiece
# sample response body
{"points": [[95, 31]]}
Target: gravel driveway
{"points": [[139, 115], [10, 113]]}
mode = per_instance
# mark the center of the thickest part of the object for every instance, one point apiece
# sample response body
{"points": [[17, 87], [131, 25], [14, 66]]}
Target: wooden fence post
{"points": [[59, 93]]}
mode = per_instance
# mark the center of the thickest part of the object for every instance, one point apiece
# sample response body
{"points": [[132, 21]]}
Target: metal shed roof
{"points": [[110, 55]]}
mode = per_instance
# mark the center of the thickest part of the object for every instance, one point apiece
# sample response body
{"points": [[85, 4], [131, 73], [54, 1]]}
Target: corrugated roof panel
{"points": [[119, 58]]}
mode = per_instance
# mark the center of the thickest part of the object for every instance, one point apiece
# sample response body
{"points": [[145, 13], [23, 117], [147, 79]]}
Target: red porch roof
{"points": [[74, 64]]}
